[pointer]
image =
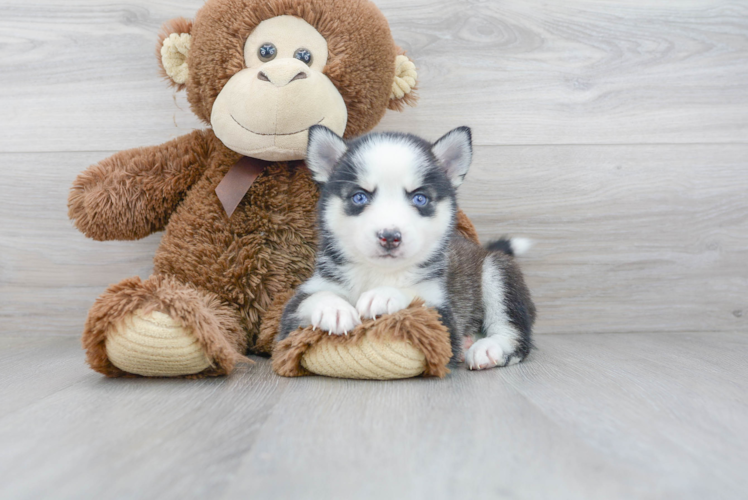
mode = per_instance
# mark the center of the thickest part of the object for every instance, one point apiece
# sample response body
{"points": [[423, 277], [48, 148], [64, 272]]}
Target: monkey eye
{"points": [[304, 56], [267, 52]]}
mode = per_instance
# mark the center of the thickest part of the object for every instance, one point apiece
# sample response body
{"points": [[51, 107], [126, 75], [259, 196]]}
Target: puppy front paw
{"points": [[381, 300], [330, 313], [487, 353]]}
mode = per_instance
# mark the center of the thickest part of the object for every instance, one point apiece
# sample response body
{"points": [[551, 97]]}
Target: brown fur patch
{"points": [[466, 227], [215, 326], [417, 324], [266, 247], [133, 193], [271, 323]]}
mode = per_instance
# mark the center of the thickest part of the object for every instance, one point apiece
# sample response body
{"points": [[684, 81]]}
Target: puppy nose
{"points": [[281, 78], [389, 239]]}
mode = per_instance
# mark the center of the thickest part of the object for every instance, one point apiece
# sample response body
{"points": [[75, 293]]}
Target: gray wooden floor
{"points": [[587, 416], [614, 134]]}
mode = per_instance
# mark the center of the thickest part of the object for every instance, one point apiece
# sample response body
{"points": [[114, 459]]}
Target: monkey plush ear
{"points": [[324, 151], [172, 51], [454, 151], [404, 84]]}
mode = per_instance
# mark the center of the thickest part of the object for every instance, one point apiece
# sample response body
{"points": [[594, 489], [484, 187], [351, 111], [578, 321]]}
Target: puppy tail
{"points": [[510, 246]]}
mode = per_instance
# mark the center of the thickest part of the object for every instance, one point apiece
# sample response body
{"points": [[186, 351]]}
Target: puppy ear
{"points": [[324, 151], [404, 84], [172, 51], [454, 151]]}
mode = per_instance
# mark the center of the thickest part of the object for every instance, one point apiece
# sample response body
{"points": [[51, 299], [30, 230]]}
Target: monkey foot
{"points": [[407, 343], [155, 345]]}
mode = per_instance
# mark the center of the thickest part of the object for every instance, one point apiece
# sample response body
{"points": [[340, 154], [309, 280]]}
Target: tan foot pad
{"points": [[405, 344], [155, 345], [378, 360]]}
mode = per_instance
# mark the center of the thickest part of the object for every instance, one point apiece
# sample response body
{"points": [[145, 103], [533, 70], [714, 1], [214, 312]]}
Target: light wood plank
{"points": [[50, 273], [587, 416], [33, 368], [579, 71], [467, 437], [70, 82], [139, 438], [659, 402], [628, 238], [83, 75]]}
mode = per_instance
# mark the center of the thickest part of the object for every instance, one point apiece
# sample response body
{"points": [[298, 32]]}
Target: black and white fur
{"points": [[382, 246]]}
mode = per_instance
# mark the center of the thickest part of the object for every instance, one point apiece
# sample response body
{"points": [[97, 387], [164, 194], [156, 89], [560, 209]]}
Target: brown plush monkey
{"points": [[237, 207]]}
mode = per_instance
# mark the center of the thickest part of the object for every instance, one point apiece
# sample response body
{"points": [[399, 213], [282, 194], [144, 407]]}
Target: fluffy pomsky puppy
{"points": [[387, 215]]}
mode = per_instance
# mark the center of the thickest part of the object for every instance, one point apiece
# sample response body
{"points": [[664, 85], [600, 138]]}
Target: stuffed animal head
{"points": [[262, 72]]}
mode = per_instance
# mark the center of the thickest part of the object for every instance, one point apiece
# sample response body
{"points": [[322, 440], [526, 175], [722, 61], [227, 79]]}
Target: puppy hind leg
{"points": [[504, 343]]}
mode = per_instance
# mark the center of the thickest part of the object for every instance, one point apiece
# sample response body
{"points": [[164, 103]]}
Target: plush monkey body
{"points": [[212, 273], [261, 72]]}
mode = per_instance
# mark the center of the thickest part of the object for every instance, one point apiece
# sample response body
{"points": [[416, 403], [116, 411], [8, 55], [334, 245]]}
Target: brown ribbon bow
{"points": [[237, 182]]}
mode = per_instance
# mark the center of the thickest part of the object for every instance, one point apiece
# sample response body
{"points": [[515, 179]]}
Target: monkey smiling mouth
{"points": [[289, 133]]}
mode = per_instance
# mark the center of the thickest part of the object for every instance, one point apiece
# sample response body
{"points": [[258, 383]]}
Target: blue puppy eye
{"points": [[360, 199], [420, 200]]}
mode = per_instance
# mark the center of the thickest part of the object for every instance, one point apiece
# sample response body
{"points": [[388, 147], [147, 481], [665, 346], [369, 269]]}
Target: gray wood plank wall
{"points": [[614, 134]]}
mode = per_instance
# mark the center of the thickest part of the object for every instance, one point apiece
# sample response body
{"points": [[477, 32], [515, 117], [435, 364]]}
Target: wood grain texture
{"points": [[56, 366], [131, 438], [580, 71], [82, 76], [587, 416], [627, 238]]}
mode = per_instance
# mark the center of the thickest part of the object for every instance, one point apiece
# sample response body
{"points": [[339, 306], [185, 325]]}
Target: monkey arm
{"points": [[133, 193]]}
